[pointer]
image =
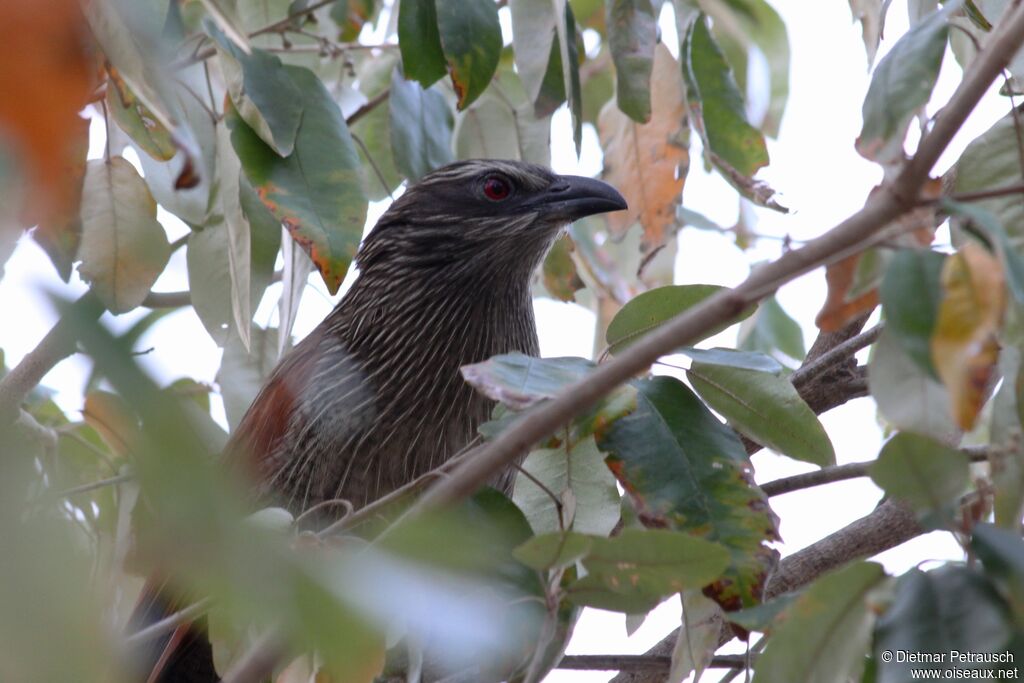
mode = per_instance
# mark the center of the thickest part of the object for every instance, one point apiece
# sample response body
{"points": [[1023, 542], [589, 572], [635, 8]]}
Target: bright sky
{"points": [[814, 167]]}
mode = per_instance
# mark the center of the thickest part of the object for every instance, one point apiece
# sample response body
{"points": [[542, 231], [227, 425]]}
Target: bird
{"points": [[373, 398]]}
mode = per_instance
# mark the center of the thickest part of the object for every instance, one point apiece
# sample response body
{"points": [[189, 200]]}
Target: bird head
{"points": [[482, 213]]}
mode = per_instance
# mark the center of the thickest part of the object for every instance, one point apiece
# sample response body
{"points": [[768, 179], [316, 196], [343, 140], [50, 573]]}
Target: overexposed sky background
{"points": [[814, 167]]}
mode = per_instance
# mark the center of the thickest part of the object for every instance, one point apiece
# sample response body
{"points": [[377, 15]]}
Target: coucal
{"points": [[373, 398]]}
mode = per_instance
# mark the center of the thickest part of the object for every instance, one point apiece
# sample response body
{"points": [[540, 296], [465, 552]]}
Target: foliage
{"points": [[267, 127]]}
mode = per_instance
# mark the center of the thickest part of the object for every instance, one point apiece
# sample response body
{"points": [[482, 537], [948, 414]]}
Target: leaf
{"points": [[910, 295], [766, 408], [580, 471], [684, 469], [113, 420], [648, 162], [471, 40], [503, 128], [717, 110], [560, 277], [421, 127], [908, 398], [921, 471], [552, 550], [756, 23], [651, 309], [952, 608], [841, 304], [698, 636], [239, 234], [901, 85], [1007, 470], [646, 564], [42, 121], [316, 191], [964, 346], [770, 329], [826, 631], [124, 249], [520, 381], [537, 52], [294, 278], [419, 39], [230, 24], [209, 280], [243, 372], [135, 119], [989, 162], [731, 358], [978, 218], [59, 222], [632, 35], [380, 176], [871, 15], [262, 93]]}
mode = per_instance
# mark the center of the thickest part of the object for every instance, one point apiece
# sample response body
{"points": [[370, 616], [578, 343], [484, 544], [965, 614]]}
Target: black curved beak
{"points": [[572, 197]]}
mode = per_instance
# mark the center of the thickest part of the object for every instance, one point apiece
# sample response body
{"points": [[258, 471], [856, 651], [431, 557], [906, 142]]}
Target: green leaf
{"points": [[135, 119], [923, 472], [686, 470], [555, 549], [380, 176], [262, 92], [316, 191], [520, 381], [560, 278], [582, 473], [494, 128], [264, 242], [124, 249], [952, 608], [535, 47], [992, 161], [698, 636], [902, 84], [228, 22], [771, 329], [1005, 424], [766, 408], [761, 617], [239, 233], [730, 358], [976, 216], [826, 631], [908, 398], [421, 127], [423, 59], [755, 21], [647, 563], [717, 107], [910, 294], [471, 39], [632, 34], [649, 310], [242, 372], [209, 280]]}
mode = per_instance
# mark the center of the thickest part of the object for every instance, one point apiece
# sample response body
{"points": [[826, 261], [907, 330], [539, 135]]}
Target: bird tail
{"points": [[183, 654]]}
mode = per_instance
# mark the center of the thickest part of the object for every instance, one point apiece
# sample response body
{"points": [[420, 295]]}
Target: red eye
{"points": [[496, 189]]}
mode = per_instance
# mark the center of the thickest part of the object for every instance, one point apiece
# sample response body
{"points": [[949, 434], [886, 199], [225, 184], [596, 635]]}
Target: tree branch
{"points": [[658, 663], [851, 470], [58, 344], [897, 197]]}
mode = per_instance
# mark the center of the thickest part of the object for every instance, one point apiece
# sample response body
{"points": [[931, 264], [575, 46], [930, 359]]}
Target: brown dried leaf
{"points": [[964, 345], [48, 75], [648, 162]]}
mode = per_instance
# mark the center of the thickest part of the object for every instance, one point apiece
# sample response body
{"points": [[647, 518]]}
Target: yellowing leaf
{"points": [[124, 249], [648, 162], [964, 346]]}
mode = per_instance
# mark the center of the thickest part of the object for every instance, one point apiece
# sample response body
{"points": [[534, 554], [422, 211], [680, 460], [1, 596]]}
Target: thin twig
{"points": [[640, 662], [829, 475], [368, 107], [92, 486], [169, 623], [836, 355]]}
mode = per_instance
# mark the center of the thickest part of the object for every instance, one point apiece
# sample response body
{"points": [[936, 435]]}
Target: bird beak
{"points": [[573, 197]]}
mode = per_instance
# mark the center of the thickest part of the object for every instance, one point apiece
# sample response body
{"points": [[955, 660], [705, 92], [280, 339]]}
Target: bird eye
{"points": [[497, 188]]}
